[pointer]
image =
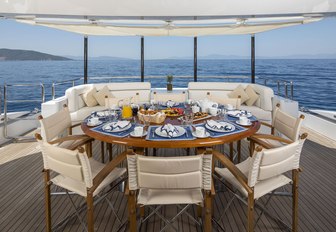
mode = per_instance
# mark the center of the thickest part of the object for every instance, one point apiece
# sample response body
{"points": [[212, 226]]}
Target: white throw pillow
{"points": [[239, 91], [100, 95], [89, 98], [253, 96]]}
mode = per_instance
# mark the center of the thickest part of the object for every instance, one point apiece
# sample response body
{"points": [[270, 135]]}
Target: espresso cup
{"points": [[138, 130], [244, 120], [229, 107], [200, 131]]}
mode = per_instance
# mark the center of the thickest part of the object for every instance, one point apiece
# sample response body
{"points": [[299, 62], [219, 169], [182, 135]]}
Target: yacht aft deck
{"points": [[22, 196]]}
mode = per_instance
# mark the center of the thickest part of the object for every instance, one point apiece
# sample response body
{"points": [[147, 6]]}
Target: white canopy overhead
{"points": [[166, 17]]}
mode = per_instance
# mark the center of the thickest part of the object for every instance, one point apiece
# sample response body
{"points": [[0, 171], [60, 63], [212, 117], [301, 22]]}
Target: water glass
{"points": [[222, 114]]}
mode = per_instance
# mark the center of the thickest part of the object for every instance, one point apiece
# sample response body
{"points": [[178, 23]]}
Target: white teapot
{"points": [[206, 104]]}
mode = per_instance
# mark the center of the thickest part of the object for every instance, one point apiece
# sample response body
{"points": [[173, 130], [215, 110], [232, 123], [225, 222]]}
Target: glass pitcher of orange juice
{"points": [[126, 108]]}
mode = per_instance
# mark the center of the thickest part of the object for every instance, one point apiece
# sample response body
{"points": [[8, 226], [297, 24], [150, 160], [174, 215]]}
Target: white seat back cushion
{"points": [[54, 125], [274, 162], [163, 97], [67, 163], [286, 124], [169, 172]]}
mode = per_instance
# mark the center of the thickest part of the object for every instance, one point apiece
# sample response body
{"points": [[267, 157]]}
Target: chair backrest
{"points": [[68, 163], [269, 163], [286, 124], [183, 172], [54, 125], [163, 97]]}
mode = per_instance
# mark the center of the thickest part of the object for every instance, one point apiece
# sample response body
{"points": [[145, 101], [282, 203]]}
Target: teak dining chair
{"points": [[158, 181], [57, 130], [79, 174], [262, 174], [285, 129]]}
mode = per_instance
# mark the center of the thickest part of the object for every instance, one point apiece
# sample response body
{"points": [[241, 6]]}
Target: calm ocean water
{"points": [[314, 80]]}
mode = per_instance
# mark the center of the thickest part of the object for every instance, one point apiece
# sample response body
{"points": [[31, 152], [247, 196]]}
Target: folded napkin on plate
{"points": [[170, 103], [217, 125], [100, 114], [170, 130], [238, 113], [117, 125]]}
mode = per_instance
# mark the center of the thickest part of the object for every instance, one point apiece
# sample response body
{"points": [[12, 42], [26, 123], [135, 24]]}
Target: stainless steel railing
{"points": [[6, 101], [57, 83], [287, 93]]}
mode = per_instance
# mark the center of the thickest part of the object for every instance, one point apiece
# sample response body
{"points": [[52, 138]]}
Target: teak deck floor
{"points": [[22, 198]]}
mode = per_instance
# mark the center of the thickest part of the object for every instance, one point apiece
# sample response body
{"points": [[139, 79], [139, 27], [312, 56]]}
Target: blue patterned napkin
{"points": [[154, 137], [215, 134], [116, 134]]}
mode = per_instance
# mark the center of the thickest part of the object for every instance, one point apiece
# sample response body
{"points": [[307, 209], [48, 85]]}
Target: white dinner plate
{"points": [[138, 136], [248, 124], [105, 128], [221, 130], [94, 124], [206, 135], [181, 131]]}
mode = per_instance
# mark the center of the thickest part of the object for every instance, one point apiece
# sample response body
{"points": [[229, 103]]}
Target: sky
{"points": [[311, 39]]}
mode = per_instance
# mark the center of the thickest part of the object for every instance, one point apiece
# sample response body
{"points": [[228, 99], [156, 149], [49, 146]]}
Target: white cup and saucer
{"points": [[94, 121], [195, 109], [200, 132], [229, 107], [214, 111], [244, 121], [138, 132]]}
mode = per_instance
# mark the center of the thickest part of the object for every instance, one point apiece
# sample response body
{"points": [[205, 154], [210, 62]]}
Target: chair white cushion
{"points": [[89, 98], [101, 94], [80, 188], [72, 144], [239, 91], [261, 188], [253, 96], [169, 197]]}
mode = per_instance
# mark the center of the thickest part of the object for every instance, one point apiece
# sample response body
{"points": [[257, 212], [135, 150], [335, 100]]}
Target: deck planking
{"points": [[22, 197]]}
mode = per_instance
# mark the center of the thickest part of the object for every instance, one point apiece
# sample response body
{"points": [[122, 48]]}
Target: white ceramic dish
{"points": [[248, 124], [221, 130], [236, 113], [105, 128], [206, 135], [138, 136], [181, 131], [94, 124]]}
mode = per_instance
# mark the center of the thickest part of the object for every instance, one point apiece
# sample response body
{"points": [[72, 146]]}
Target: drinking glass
{"points": [[146, 119], [222, 114]]}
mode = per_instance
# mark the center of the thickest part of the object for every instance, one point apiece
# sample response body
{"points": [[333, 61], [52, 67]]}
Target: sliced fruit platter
{"points": [[201, 115], [173, 112]]}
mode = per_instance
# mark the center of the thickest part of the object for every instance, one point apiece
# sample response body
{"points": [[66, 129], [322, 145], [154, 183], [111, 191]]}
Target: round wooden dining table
{"points": [[198, 142]]}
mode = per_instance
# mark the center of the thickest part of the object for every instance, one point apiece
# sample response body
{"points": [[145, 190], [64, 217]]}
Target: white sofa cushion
{"points": [[239, 92], [82, 113], [101, 94], [253, 96], [200, 90], [89, 98]]}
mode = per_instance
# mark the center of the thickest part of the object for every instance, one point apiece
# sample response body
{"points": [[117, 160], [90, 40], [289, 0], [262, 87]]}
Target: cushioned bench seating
{"points": [[262, 108], [78, 108]]}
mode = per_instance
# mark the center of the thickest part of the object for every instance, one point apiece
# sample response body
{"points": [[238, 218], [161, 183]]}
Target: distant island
{"points": [[21, 55]]}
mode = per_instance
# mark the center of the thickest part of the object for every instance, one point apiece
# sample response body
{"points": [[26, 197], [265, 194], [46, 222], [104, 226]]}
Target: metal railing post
{"points": [[286, 89], [53, 90], [292, 90], [5, 111], [265, 82], [42, 92]]}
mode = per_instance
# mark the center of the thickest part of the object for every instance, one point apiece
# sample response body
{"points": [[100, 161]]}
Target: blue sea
{"points": [[314, 80]]}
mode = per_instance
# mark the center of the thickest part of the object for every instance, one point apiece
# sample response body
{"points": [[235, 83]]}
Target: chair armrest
{"points": [[241, 178], [266, 124], [69, 138], [107, 170], [213, 192], [257, 139], [75, 125]]}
